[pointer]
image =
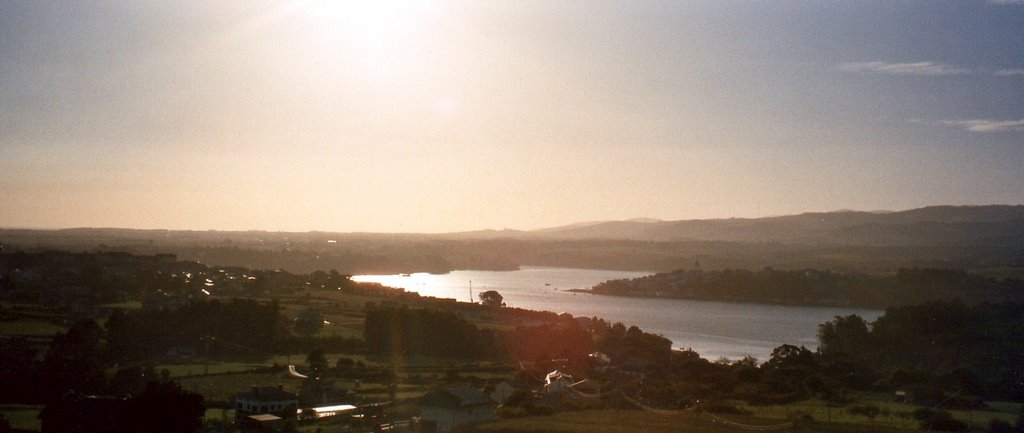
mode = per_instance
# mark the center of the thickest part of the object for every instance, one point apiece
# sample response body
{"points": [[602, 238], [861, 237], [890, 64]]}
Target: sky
{"points": [[439, 116]]}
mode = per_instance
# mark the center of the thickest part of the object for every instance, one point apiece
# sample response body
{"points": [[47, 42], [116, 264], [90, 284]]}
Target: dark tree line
{"points": [[814, 287], [414, 331], [932, 347], [561, 340], [623, 344], [75, 365], [160, 407], [215, 327]]}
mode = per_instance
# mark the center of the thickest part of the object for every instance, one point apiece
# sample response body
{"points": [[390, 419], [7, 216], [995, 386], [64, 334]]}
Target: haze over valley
{"points": [[983, 239]]}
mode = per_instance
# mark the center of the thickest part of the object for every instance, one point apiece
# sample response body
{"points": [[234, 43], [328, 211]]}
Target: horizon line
{"points": [[414, 233]]}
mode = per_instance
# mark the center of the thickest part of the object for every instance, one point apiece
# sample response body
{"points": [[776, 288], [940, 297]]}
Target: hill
{"points": [[982, 239], [928, 226]]}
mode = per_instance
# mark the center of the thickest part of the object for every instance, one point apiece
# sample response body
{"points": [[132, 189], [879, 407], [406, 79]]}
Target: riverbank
{"points": [[821, 288], [712, 328]]}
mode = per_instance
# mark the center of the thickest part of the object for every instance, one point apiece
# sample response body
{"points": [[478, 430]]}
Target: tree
{"points": [[788, 356], [18, 371], [317, 362], [309, 322], [844, 335], [788, 369], [934, 419], [132, 380], [74, 362], [164, 407], [492, 299]]}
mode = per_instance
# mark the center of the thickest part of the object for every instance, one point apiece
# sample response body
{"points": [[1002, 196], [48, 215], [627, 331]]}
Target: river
{"points": [[713, 329]]}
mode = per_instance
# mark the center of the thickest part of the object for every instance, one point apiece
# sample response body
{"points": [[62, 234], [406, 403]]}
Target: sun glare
{"points": [[373, 24], [378, 38]]}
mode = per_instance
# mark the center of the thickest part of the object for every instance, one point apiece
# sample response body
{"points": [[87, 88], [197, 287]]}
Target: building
{"points": [[261, 423], [501, 392], [557, 382], [599, 361], [327, 411], [453, 407], [266, 400]]}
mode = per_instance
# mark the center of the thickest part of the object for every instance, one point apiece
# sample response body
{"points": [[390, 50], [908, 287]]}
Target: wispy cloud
{"points": [[915, 68], [1009, 72], [986, 125]]}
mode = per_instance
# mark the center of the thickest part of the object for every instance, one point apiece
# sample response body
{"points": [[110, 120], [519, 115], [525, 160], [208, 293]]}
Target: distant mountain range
{"points": [[985, 239], [933, 225]]}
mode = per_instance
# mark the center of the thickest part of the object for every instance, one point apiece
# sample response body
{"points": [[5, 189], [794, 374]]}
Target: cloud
{"points": [[1009, 72], [986, 125], [916, 68], [1006, 2]]}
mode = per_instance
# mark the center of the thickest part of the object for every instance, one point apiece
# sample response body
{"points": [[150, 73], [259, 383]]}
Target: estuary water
{"points": [[713, 329]]}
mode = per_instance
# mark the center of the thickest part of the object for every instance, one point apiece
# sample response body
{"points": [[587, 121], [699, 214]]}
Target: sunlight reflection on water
{"points": [[713, 329]]}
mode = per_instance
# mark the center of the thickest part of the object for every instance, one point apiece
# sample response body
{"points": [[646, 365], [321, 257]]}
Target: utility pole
{"points": [[470, 291]]}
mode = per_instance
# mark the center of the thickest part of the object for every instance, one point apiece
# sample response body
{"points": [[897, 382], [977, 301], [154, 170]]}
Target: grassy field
{"points": [[224, 387], [342, 327], [193, 369], [636, 421], [22, 417], [30, 328], [893, 414], [219, 414], [127, 305]]}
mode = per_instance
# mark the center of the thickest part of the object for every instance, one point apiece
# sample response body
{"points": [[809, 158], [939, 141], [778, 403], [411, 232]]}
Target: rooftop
{"points": [[266, 393], [463, 396]]}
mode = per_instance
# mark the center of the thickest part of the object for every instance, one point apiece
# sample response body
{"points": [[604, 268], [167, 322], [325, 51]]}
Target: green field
{"points": [[126, 305], [22, 416], [224, 387], [30, 328], [893, 414], [196, 369], [630, 421]]}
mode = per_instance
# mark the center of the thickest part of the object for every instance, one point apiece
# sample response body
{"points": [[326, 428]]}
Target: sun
{"points": [[382, 37], [373, 22]]}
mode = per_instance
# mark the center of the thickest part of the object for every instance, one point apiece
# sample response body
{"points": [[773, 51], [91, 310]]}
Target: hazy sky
{"points": [[443, 116]]}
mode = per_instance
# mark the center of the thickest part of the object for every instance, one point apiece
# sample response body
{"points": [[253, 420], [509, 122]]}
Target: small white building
{"points": [[557, 382], [327, 411], [453, 407]]}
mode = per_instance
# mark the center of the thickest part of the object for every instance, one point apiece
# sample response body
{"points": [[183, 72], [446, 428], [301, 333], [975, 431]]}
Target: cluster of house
{"points": [[263, 409]]}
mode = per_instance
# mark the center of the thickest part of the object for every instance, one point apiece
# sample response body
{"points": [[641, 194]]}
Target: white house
{"points": [[557, 382], [266, 400]]}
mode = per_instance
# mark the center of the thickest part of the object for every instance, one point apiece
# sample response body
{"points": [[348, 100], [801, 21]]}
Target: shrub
{"points": [[1000, 426], [868, 410], [933, 419], [722, 407]]}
